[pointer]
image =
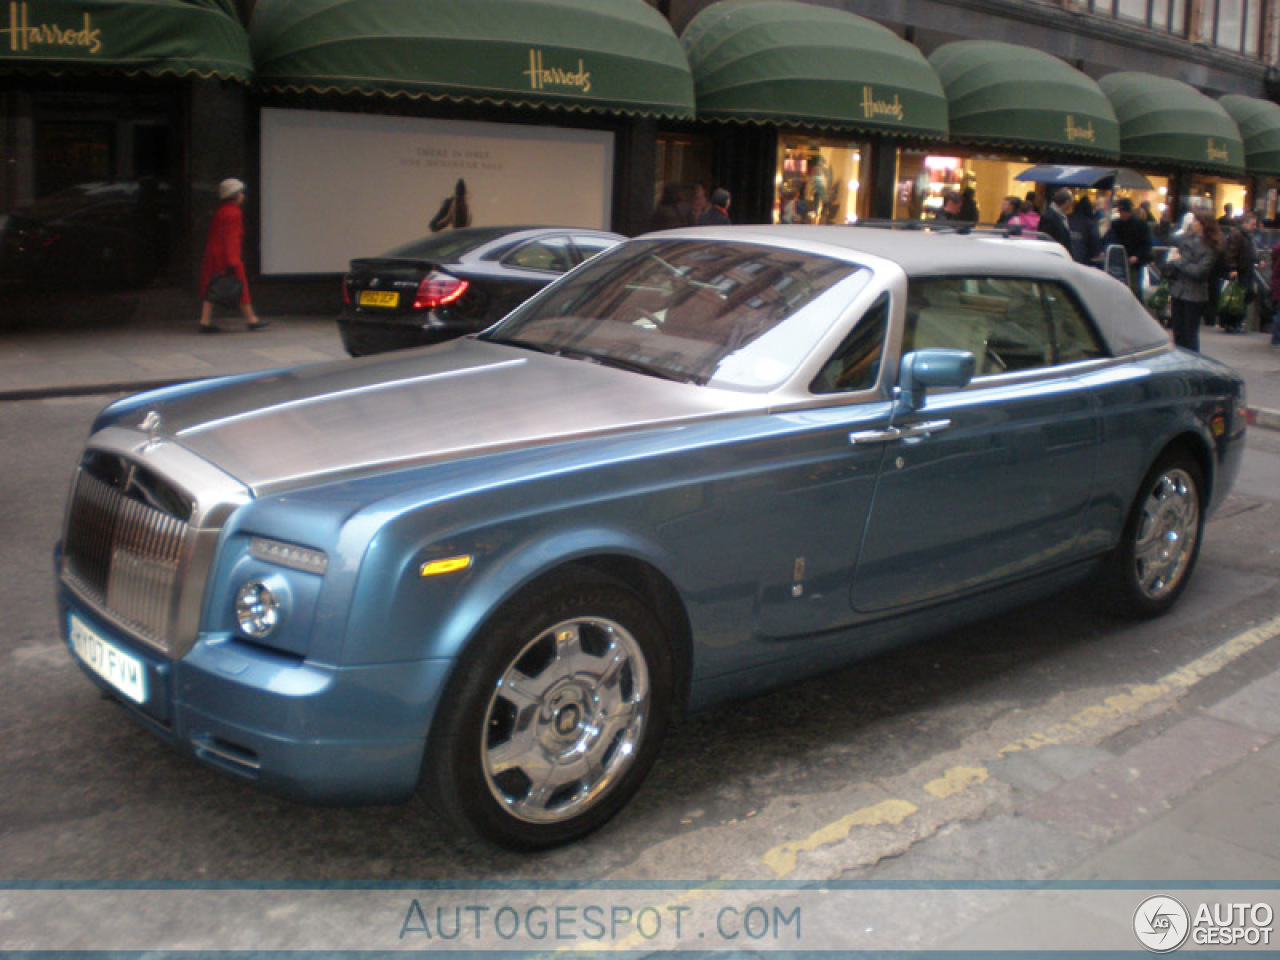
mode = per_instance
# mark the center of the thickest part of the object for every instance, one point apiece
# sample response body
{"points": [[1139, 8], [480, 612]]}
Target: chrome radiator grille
{"points": [[123, 556]]}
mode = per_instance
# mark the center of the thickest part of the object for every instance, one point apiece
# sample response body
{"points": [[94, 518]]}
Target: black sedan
{"points": [[455, 282]]}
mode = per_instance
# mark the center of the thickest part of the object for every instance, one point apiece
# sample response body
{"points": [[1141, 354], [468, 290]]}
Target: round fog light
{"points": [[257, 609]]}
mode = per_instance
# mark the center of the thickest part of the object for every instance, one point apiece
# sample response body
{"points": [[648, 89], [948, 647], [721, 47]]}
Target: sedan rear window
{"points": [[448, 245], [741, 316]]}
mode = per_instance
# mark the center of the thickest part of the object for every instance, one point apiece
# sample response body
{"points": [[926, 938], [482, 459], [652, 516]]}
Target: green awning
{"points": [[615, 56], [1259, 125], [1005, 95], [156, 37], [778, 61], [1164, 121]]}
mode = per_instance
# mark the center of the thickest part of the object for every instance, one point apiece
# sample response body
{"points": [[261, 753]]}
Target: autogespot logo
{"points": [[1161, 924]]}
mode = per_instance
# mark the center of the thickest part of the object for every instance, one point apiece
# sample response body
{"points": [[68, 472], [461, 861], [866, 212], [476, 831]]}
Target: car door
{"points": [[809, 510], [990, 483]]}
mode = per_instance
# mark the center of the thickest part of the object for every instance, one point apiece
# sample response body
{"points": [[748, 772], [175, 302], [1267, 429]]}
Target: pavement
{"points": [[1213, 812]]}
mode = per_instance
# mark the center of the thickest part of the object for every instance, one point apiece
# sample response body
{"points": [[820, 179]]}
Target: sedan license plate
{"points": [[379, 298], [126, 673]]}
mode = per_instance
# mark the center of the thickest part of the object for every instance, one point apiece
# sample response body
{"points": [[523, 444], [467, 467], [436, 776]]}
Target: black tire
{"points": [[554, 715], [1157, 552]]}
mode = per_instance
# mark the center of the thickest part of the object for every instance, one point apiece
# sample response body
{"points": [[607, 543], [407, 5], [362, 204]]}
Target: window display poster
{"points": [[336, 186]]}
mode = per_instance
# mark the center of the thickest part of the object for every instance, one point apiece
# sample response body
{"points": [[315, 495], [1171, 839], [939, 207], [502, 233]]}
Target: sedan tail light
{"points": [[439, 290]]}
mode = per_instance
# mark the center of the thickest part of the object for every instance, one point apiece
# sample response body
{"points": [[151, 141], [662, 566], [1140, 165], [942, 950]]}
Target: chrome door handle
{"points": [[922, 429]]}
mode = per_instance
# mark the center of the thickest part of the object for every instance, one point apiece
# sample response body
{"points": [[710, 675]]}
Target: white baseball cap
{"points": [[229, 188]]}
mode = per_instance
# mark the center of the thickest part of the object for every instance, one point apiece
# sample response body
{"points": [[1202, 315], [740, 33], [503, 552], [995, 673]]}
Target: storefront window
{"points": [[72, 153], [684, 160], [1214, 194], [819, 180], [923, 179], [1156, 199], [87, 192]]}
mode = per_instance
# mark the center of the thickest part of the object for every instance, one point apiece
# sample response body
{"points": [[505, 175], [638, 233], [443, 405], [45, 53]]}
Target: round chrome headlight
{"points": [[257, 610]]}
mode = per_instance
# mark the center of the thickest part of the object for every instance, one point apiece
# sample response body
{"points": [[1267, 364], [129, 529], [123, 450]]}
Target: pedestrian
{"points": [[952, 203], [223, 254], [717, 215], [1275, 296], [1188, 268], [1134, 234], [1086, 238], [1240, 256], [1008, 210], [699, 204], [667, 214], [969, 206], [1027, 217], [1054, 222]]}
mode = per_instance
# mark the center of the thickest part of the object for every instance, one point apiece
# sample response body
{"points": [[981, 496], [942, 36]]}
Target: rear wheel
{"points": [[555, 715], [1161, 541]]}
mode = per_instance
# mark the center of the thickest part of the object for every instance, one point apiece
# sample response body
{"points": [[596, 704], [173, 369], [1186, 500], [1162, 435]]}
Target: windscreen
{"points": [[735, 315]]}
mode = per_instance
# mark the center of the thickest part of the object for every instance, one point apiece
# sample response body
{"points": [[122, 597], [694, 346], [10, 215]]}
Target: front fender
{"points": [[398, 614], [501, 577]]}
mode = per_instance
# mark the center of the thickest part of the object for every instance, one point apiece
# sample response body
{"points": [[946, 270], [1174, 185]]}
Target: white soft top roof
{"points": [[1121, 319]]}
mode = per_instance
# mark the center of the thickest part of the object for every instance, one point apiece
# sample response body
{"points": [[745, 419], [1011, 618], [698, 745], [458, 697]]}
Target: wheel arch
{"points": [[1200, 450], [599, 554]]}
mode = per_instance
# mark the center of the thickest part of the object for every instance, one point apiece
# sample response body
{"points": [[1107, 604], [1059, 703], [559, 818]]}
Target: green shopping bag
{"points": [[1231, 302]]}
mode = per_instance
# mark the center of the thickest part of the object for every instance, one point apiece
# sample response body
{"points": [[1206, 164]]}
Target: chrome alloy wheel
{"points": [[566, 720], [1166, 534]]}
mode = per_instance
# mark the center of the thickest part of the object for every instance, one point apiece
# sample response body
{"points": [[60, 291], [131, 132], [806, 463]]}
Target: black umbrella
{"points": [[1100, 178]]}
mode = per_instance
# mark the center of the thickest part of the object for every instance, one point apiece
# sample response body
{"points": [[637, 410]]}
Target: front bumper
{"points": [[311, 732]]}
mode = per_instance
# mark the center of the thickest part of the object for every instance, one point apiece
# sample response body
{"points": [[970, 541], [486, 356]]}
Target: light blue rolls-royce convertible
{"points": [[705, 463]]}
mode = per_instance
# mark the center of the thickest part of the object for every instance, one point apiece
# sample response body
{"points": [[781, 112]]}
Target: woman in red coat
{"points": [[222, 255]]}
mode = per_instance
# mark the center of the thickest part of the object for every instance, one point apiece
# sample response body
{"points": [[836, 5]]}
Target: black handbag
{"points": [[224, 290]]}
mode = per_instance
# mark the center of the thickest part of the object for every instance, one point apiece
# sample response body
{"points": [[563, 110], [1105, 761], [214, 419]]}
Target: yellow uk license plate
{"points": [[379, 298]]}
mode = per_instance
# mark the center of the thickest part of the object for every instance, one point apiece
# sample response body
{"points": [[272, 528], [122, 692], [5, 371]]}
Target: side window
{"points": [[1008, 324], [549, 253], [856, 364], [1074, 335], [588, 247]]}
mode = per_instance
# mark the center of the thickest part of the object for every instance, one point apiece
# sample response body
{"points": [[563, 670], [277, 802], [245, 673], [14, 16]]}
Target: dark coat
{"points": [[714, 217], [1134, 235], [1086, 238], [1240, 253], [667, 216], [1054, 223]]}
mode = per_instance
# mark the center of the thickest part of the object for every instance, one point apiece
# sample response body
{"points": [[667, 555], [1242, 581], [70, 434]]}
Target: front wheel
{"points": [[554, 717], [1161, 541]]}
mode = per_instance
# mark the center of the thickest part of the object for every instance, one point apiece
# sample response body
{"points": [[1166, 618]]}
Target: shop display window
{"points": [[1215, 193], [924, 179], [685, 162], [819, 180]]}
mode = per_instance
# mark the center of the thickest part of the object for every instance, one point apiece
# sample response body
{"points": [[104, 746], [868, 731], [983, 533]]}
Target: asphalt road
{"points": [[767, 789]]}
